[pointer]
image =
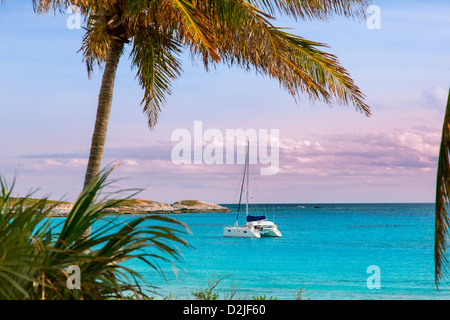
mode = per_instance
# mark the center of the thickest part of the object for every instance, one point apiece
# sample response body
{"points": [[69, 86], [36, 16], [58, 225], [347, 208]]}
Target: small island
{"points": [[139, 206]]}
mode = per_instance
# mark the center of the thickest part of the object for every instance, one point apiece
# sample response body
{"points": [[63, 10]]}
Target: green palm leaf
{"points": [[314, 9], [198, 26], [442, 220], [154, 55]]}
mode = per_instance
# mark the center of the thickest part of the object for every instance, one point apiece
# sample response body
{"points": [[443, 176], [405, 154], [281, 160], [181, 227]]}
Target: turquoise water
{"points": [[325, 252]]}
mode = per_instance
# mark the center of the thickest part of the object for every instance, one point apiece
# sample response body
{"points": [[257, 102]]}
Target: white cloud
{"points": [[362, 154]]}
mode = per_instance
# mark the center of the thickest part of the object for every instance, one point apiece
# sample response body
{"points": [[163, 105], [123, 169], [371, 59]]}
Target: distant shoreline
{"points": [[139, 206]]}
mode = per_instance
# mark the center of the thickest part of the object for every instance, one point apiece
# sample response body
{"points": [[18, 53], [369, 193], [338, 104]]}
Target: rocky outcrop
{"points": [[137, 206], [61, 210], [191, 206]]}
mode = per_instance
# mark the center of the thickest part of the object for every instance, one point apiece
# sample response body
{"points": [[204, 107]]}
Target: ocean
{"points": [[327, 252]]}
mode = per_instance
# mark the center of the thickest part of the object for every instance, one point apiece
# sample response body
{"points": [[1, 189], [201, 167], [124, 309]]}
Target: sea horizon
{"points": [[311, 203]]}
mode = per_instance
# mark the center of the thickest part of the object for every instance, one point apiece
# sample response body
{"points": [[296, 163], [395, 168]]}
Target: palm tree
{"points": [[235, 32], [442, 221]]}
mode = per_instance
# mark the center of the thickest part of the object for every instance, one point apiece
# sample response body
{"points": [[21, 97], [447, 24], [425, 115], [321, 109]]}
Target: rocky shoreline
{"points": [[138, 206]]}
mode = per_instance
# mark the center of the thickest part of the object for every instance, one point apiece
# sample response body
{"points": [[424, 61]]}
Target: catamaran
{"points": [[256, 226]]}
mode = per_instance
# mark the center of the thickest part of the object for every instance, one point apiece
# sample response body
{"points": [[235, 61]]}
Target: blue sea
{"points": [[328, 251]]}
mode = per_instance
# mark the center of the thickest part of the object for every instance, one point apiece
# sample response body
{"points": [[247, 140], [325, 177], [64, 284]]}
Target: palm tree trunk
{"points": [[103, 110]]}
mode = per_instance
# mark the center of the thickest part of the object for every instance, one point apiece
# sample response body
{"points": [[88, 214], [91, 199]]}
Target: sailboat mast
{"points": [[246, 163], [240, 196]]}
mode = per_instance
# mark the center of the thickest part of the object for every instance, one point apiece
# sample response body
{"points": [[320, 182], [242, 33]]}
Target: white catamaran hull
{"points": [[270, 233], [265, 228], [241, 232], [253, 231]]}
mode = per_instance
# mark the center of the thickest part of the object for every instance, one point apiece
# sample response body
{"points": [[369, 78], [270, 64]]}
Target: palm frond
{"points": [[314, 9], [95, 47], [442, 221], [323, 70], [248, 39], [44, 6], [154, 55], [22, 232], [198, 27]]}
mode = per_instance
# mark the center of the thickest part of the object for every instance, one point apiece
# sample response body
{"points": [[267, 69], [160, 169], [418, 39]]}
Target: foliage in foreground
{"points": [[34, 257], [214, 291]]}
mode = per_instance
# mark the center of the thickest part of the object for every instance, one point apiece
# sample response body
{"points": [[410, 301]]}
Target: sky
{"points": [[326, 154]]}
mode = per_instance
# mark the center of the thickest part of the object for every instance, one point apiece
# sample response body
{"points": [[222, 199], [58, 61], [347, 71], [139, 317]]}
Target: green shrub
{"points": [[34, 258]]}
